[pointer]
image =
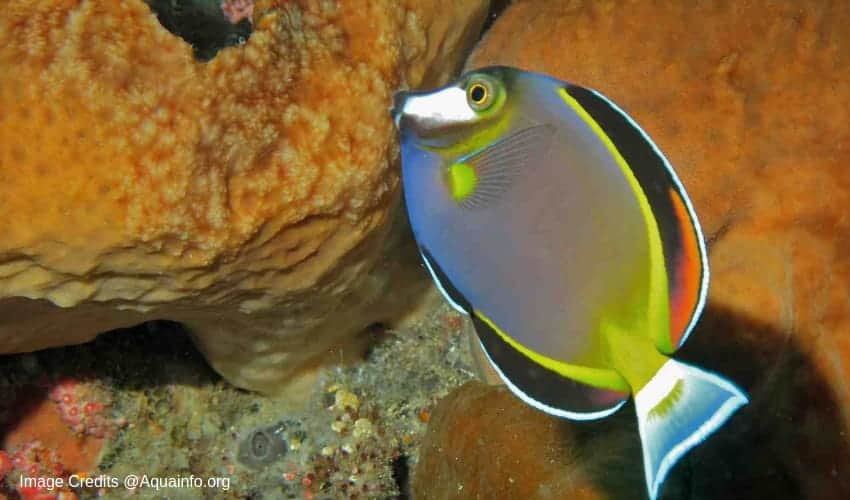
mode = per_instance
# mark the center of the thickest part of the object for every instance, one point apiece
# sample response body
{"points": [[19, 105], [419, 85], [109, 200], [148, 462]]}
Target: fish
{"points": [[548, 216]]}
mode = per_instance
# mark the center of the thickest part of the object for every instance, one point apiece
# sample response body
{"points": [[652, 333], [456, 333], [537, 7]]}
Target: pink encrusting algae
{"points": [[237, 10], [34, 460], [82, 406], [54, 429]]}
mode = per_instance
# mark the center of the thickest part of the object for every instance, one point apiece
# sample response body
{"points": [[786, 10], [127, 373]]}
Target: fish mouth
{"points": [[410, 123], [418, 123], [432, 116], [397, 110]]}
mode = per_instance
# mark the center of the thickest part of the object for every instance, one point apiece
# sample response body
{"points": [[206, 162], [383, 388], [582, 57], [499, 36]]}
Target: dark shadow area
{"points": [[788, 443], [373, 336], [202, 24], [401, 476], [496, 9], [139, 357]]}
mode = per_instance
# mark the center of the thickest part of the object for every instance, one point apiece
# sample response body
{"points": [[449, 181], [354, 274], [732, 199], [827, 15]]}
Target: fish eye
{"points": [[479, 94]]}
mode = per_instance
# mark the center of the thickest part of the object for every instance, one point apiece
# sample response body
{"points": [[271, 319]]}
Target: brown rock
{"points": [[253, 198], [749, 101], [483, 442]]}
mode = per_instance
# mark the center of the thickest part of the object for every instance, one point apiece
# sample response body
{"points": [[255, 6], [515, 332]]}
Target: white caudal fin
{"points": [[677, 409]]}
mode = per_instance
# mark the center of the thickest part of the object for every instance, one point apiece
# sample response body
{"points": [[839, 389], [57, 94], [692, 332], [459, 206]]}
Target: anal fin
{"points": [[447, 289]]}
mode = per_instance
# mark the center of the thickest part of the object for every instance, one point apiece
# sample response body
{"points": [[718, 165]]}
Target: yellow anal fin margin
{"points": [[595, 377]]}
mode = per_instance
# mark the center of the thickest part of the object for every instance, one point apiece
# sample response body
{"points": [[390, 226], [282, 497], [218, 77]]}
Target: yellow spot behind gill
{"points": [[462, 180], [594, 377]]}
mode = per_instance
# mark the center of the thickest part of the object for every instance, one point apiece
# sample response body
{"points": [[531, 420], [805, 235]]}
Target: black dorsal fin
{"points": [[685, 257]]}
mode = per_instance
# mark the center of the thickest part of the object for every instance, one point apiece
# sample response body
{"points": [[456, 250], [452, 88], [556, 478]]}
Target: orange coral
{"points": [[123, 134], [137, 182], [44, 424], [482, 442]]}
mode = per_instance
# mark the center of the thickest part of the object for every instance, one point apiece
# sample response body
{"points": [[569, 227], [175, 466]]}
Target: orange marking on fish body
{"points": [[684, 294]]}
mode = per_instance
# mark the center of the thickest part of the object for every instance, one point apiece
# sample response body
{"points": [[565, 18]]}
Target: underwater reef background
{"points": [[236, 176], [253, 197]]}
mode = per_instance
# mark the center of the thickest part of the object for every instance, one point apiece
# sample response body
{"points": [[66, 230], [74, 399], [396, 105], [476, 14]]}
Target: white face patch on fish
{"points": [[446, 107]]}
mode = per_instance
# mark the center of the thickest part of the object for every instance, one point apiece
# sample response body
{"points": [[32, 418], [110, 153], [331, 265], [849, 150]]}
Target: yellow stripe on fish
{"points": [[595, 377]]}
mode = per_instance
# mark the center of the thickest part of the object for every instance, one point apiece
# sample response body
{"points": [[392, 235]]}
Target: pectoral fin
{"points": [[480, 179]]}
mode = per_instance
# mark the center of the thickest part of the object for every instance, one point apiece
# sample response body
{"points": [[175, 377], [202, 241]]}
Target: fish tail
{"points": [[677, 409]]}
